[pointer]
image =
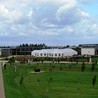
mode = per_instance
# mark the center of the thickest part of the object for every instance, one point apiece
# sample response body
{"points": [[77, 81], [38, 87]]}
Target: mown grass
{"points": [[65, 82]]}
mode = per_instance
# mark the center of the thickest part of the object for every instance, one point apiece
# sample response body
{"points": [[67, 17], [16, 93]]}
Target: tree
{"points": [[21, 80], [12, 60], [69, 66], [83, 67], [93, 67], [61, 67], [4, 66], [50, 80], [94, 81], [58, 60], [67, 46], [15, 68]]}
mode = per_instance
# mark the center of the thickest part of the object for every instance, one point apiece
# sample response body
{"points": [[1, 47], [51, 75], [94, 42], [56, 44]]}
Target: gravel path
{"points": [[2, 94]]}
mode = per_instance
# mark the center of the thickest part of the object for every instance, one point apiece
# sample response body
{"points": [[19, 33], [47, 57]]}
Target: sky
{"points": [[53, 22]]}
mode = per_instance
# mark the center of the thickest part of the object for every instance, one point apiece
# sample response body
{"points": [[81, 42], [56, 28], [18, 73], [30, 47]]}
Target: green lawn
{"points": [[64, 83]]}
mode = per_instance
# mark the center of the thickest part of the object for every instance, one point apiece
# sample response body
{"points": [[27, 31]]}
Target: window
{"points": [[59, 54], [44, 54], [47, 54], [37, 54], [41, 54], [55, 54]]}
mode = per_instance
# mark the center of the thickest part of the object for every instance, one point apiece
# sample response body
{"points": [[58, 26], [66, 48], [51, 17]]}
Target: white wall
{"points": [[53, 54], [88, 51], [47, 54]]}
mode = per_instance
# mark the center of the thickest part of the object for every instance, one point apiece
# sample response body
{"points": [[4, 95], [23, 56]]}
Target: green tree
{"points": [[12, 60], [83, 67]]}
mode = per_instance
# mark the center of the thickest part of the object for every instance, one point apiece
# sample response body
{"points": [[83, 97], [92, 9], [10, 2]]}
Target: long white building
{"points": [[54, 52]]}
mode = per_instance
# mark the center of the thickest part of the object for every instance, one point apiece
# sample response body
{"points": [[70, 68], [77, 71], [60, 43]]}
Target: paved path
{"points": [[2, 94]]}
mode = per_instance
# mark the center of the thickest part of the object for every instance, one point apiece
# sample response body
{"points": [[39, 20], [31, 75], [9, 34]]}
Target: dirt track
{"points": [[2, 94]]}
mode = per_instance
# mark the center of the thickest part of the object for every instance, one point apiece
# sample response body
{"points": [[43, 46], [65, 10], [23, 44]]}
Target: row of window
{"points": [[49, 54]]}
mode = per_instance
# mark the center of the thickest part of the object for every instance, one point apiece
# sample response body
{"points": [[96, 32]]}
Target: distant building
{"points": [[54, 52], [26, 49], [5, 51], [89, 49], [0, 52]]}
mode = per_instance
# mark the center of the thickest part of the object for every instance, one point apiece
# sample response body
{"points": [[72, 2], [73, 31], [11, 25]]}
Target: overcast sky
{"points": [[53, 22]]}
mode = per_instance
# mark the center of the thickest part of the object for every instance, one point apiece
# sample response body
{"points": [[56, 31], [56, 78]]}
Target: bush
{"points": [[37, 70]]}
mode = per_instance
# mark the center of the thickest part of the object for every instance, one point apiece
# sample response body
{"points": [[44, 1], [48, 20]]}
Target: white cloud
{"points": [[70, 13], [3, 11], [56, 19], [84, 14], [11, 15], [30, 14], [87, 1]]}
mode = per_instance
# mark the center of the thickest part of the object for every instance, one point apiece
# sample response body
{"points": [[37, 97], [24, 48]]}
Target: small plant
{"points": [[37, 69]]}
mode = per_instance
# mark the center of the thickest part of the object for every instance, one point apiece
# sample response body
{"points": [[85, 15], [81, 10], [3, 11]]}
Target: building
{"points": [[54, 52], [25, 49], [89, 49], [5, 51], [0, 52]]}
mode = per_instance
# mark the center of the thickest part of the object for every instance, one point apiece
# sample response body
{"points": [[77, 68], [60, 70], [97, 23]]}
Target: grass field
{"points": [[56, 81]]}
